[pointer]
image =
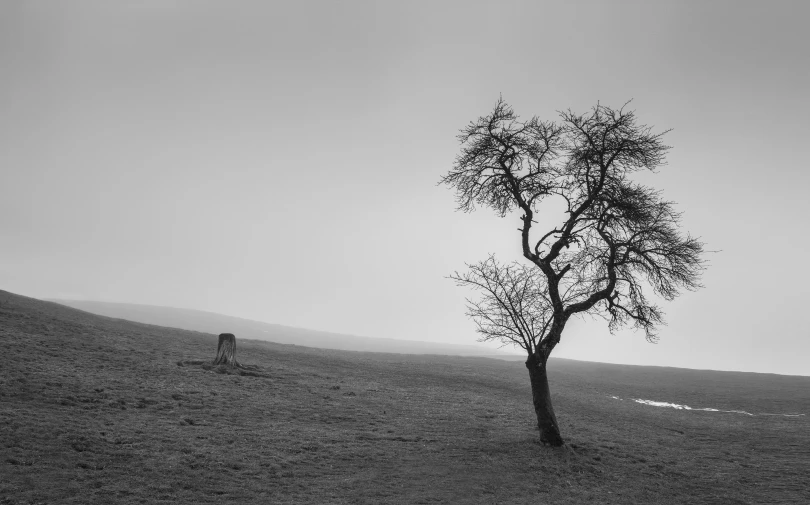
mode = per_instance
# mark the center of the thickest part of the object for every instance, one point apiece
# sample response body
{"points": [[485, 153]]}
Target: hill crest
{"points": [[211, 322]]}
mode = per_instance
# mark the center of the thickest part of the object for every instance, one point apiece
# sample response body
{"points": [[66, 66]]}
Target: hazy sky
{"points": [[279, 160]]}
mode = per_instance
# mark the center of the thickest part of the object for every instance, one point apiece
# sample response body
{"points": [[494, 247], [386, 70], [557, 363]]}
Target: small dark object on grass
{"points": [[226, 350], [225, 361]]}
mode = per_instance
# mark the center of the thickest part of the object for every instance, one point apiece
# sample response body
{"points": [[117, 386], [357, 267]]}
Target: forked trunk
{"points": [[541, 395], [226, 350]]}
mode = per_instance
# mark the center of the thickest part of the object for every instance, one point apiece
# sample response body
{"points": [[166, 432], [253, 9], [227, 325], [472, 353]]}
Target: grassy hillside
{"points": [[98, 410], [209, 322]]}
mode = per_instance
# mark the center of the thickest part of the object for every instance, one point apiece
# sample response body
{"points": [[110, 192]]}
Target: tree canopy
{"points": [[618, 239], [513, 308]]}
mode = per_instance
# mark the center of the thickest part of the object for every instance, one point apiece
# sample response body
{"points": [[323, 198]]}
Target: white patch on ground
{"points": [[687, 407]]}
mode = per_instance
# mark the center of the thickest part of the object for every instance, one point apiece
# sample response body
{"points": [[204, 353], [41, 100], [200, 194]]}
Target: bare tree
{"points": [[617, 240]]}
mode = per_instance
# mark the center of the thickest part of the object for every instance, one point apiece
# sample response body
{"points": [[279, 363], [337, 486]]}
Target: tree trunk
{"points": [[541, 395], [226, 350]]}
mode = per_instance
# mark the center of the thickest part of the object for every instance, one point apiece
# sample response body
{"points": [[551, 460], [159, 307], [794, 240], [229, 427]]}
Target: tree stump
{"points": [[226, 350]]}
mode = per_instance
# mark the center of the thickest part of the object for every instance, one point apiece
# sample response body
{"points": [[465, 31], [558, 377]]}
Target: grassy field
{"points": [[98, 410]]}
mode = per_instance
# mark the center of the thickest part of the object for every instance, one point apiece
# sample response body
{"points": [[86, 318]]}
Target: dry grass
{"points": [[97, 410]]}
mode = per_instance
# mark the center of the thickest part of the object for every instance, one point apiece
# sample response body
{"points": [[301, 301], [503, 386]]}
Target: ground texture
{"points": [[99, 410]]}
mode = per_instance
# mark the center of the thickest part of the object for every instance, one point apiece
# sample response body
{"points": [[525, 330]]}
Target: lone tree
{"points": [[226, 350], [616, 241]]}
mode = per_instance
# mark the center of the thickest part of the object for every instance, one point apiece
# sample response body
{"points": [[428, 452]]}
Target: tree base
{"points": [[226, 350], [541, 397]]}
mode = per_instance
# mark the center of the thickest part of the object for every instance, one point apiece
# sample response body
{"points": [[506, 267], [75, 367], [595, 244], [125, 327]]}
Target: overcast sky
{"points": [[279, 161]]}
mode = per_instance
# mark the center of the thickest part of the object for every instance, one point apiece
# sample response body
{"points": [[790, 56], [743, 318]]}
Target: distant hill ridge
{"points": [[754, 386], [210, 322]]}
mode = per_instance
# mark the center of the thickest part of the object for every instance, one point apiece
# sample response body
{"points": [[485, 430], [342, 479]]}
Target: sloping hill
{"points": [[100, 410], [209, 322]]}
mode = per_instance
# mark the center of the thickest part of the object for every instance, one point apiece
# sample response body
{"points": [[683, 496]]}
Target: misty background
{"points": [[279, 162]]}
